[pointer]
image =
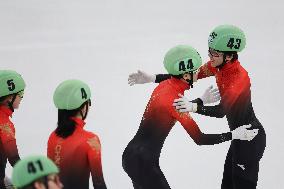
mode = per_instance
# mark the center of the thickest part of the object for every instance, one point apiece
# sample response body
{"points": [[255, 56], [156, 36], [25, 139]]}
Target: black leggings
{"points": [[242, 163], [143, 168]]}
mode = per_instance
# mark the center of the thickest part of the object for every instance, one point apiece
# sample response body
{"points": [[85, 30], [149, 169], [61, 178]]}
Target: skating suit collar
{"points": [[79, 122], [179, 84]]}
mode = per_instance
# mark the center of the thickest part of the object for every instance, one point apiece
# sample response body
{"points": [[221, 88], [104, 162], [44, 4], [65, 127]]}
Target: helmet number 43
{"points": [[236, 43]]}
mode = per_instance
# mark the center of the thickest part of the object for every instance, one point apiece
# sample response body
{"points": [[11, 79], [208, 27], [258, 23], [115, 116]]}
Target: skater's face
{"points": [[187, 76], [217, 57], [53, 182], [18, 100]]}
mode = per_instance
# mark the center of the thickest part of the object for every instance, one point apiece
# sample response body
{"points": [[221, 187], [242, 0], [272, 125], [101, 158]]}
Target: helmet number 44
{"points": [[236, 43], [188, 66]]}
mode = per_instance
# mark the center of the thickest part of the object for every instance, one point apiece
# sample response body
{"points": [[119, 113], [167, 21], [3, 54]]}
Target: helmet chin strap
{"points": [[190, 81], [86, 113]]}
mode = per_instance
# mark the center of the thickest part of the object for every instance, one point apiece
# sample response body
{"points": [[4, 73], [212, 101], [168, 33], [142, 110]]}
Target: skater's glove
{"points": [[210, 95], [182, 104], [140, 78], [243, 133]]}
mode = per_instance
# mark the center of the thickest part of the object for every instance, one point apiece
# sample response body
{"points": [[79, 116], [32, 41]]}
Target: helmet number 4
{"points": [[84, 94], [11, 85], [234, 43]]}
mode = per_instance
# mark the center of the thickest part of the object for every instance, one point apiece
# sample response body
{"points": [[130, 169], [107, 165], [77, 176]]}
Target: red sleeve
{"points": [[9, 142], [206, 70], [193, 130], [188, 124], [94, 158]]}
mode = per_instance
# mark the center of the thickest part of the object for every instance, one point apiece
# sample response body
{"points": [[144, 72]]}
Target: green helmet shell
{"points": [[32, 168], [71, 94], [10, 82], [227, 38], [181, 59]]}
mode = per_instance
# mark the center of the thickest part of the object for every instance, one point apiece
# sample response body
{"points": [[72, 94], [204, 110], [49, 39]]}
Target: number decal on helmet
{"points": [[236, 43], [189, 64], [212, 36], [84, 94], [11, 85], [32, 167], [182, 66]]}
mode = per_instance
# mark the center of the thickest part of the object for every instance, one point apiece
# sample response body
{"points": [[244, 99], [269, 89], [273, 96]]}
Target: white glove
{"points": [[242, 133], [140, 78], [210, 95], [182, 104]]}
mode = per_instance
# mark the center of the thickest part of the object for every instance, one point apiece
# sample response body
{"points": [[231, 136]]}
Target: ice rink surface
{"points": [[101, 42]]}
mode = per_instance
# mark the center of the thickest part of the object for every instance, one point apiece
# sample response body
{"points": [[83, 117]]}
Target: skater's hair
{"points": [[2, 98], [65, 124]]}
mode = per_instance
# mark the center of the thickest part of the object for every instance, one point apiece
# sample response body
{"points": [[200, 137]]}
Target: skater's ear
{"points": [[229, 58]]}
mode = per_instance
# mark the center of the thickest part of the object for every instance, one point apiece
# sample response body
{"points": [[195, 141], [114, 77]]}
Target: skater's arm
{"points": [[141, 77], [11, 152], [94, 158], [227, 102], [206, 70], [193, 130], [162, 77], [8, 139], [213, 111], [211, 95], [182, 104]]}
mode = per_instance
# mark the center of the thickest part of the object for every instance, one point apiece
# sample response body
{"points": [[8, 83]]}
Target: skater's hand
{"points": [[182, 104], [243, 133], [140, 78], [210, 95]]}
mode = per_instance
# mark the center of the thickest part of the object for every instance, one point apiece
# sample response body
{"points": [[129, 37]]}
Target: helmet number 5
{"points": [[11, 85], [236, 43]]}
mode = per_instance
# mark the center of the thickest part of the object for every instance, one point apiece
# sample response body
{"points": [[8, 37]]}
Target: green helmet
{"points": [[181, 59], [10, 82], [227, 38], [71, 94], [32, 168]]}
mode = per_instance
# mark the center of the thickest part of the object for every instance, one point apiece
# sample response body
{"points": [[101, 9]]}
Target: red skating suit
{"points": [[141, 156], [77, 156], [8, 146]]}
